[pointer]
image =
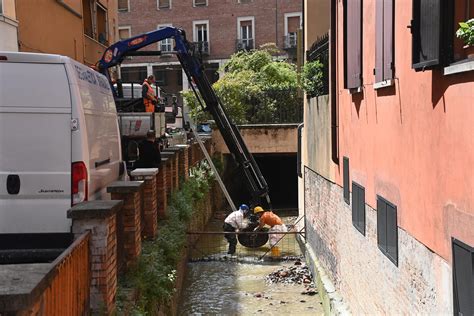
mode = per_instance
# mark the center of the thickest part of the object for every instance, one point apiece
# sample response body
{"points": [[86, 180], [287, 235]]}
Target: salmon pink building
{"points": [[387, 182]]}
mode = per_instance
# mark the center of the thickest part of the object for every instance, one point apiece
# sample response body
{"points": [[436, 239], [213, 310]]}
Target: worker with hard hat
{"points": [[276, 225], [235, 221]]}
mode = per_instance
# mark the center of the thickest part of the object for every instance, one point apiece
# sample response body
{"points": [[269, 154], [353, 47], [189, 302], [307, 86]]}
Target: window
{"points": [[358, 207], [102, 29], [87, 18], [426, 33], [245, 1], [95, 21], [123, 5], [163, 4], [1, 7], [433, 28], [384, 43], [201, 35], [245, 33], [133, 74], [124, 32], [463, 278], [345, 176], [387, 229], [352, 44], [160, 76], [199, 3], [292, 24], [165, 45]]}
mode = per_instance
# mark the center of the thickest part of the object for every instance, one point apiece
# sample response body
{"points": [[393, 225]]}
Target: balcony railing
{"points": [[290, 41], [203, 47], [244, 44]]}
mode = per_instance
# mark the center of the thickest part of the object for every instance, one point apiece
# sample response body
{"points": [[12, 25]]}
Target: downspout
{"points": [[298, 153], [333, 84]]}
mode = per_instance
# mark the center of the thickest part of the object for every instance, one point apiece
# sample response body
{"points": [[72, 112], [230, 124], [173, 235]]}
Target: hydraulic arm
{"points": [[193, 68]]}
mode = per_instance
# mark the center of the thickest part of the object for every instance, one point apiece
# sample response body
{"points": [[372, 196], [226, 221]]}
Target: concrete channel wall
{"points": [[109, 235]]}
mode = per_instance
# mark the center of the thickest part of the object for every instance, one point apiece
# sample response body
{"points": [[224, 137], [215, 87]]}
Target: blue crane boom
{"points": [[192, 66]]}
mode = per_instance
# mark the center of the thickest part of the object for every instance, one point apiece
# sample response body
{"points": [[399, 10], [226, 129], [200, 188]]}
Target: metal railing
{"points": [[203, 47], [320, 51], [275, 107], [290, 41], [244, 44]]}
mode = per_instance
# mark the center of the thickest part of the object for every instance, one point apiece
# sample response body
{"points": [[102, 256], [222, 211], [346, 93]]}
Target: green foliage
{"points": [[312, 80], [255, 88], [155, 274], [466, 32]]}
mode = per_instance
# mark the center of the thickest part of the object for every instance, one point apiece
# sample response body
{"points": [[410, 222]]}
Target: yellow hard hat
{"points": [[257, 209]]}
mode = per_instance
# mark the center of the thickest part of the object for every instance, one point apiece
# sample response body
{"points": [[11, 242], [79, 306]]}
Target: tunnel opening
{"points": [[279, 170]]}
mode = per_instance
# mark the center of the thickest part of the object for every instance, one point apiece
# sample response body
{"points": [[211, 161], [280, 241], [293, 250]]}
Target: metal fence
{"points": [[275, 107], [212, 246], [320, 51]]}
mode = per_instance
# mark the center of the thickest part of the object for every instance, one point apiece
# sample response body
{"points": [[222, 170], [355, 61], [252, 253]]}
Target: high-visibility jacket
{"points": [[150, 97], [270, 219]]}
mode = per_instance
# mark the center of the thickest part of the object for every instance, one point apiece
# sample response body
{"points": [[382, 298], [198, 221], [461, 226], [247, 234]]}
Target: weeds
{"points": [[154, 276]]}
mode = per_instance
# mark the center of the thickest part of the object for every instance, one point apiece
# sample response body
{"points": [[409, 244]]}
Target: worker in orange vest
{"points": [[276, 225], [148, 94]]}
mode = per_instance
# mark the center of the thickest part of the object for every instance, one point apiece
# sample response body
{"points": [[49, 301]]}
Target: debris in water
{"points": [[258, 295], [297, 274]]}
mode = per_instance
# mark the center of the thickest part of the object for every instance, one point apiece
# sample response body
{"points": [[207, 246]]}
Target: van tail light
{"points": [[79, 189]]}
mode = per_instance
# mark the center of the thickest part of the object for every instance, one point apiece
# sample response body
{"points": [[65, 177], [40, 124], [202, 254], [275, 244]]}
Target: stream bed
{"points": [[243, 287]]}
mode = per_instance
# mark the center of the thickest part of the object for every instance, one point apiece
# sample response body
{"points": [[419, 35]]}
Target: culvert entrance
{"points": [[279, 171]]}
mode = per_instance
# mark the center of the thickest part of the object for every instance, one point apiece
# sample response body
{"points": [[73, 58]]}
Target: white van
{"points": [[59, 140]]}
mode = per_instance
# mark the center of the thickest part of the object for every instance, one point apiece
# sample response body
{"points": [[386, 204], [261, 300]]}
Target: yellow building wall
{"points": [[56, 26]]}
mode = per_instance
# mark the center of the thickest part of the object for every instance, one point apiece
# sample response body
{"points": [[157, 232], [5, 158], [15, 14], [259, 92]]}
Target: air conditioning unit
{"points": [[241, 46]]}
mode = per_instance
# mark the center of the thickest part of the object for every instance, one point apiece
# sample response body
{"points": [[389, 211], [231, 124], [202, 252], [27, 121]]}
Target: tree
{"points": [[255, 88]]}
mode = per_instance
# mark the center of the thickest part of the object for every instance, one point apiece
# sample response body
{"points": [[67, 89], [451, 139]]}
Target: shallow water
{"points": [[233, 287], [218, 288]]}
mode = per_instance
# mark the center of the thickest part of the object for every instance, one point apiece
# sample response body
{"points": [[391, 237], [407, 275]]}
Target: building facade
{"points": [[220, 27], [387, 156], [8, 26], [80, 29]]}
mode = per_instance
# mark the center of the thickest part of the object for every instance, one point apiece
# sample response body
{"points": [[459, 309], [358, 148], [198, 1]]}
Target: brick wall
{"points": [[103, 247], [161, 185], [131, 221], [365, 278], [222, 15]]}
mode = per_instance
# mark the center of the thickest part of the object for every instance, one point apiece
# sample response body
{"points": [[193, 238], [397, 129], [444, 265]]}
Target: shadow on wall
{"points": [[440, 83]]}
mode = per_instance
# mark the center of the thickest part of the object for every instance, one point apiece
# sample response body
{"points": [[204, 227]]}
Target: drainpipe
{"points": [[333, 85], [298, 154]]}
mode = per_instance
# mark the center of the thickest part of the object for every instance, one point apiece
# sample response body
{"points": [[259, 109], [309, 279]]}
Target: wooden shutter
{"points": [[345, 175], [379, 40], [388, 39], [463, 278], [426, 34], [392, 233], [358, 207], [352, 43], [381, 225], [384, 40]]}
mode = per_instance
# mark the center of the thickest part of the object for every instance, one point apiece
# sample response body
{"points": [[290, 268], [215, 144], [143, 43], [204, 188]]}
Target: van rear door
{"points": [[35, 147]]}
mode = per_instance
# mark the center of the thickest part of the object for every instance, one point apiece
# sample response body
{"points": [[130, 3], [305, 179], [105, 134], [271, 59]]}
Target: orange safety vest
{"points": [[270, 219], [148, 101]]}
